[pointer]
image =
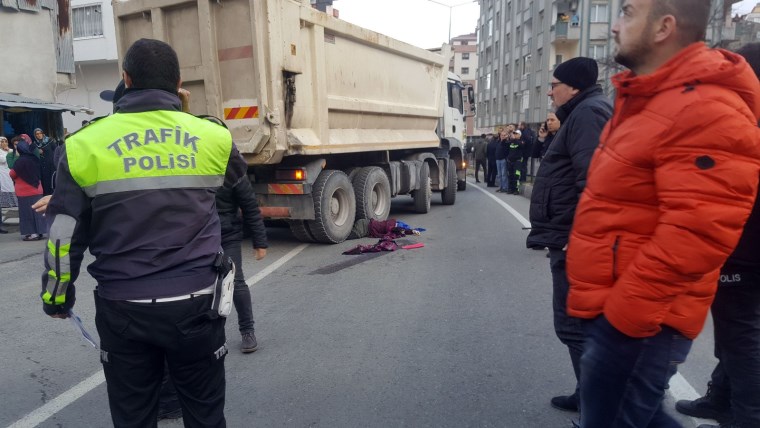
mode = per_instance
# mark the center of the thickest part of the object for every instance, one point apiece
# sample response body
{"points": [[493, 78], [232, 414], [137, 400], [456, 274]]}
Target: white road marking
{"points": [[41, 414], [680, 388], [276, 265], [506, 206], [50, 408]]}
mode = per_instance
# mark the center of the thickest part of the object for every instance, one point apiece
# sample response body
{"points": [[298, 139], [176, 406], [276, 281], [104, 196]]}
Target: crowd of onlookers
{"points": [[27, 169]]}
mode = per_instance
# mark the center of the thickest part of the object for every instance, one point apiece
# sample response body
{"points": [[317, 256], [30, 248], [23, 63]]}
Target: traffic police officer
{"points": [[137, 188]]}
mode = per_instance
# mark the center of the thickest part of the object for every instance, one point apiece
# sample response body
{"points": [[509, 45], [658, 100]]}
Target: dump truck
{"points": [[334, 120]]}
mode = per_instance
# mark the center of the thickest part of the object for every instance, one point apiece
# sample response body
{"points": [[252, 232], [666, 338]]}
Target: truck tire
{"points": [[373, 193], [423, 195], [300, 230], [334, 207], [449, 193]]}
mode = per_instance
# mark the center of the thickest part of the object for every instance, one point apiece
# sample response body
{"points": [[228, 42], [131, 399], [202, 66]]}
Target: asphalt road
{"points": [[455, 334]]}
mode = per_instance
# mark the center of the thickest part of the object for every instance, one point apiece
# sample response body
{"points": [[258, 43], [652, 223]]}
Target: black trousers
{"points": [[569, 330], [736, 319], [241, 296], [484, 164], [136, 339], [491, 174]]}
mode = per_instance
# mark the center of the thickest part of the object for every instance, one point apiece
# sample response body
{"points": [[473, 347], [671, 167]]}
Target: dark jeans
{"points": [[736, 319], [478, 164], [623, 379], [569, 329], [491, 176], [137, 339], [241, 297]]}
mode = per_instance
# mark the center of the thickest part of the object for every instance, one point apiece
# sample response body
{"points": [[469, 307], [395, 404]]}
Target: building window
{"points": [[599, 12], [490, 28], [466, 55], [465, 43], [527, 59], [88, 21], [465, 70], [597, 51], [488, 81]]}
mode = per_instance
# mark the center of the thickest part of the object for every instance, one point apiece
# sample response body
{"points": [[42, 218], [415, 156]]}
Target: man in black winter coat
{"points": [[493, 144], [583, 110], [230, 202]]}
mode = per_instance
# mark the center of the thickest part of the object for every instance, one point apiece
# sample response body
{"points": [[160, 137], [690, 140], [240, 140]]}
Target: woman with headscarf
{"points": [[7, 194], [26, 176], [46, 147]]}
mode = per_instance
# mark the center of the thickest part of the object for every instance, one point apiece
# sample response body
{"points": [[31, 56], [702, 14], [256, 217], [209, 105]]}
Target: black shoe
{"points": [[490, 185], [477, 181], [249, 343], [708, 407], [3, 231], [170, 414], [568, 403]]}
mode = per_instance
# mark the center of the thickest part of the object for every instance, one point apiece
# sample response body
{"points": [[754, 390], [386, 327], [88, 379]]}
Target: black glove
{"points": [[65, 307]]}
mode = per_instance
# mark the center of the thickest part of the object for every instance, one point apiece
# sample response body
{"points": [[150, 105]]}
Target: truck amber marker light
{"points": [[290, 175]]}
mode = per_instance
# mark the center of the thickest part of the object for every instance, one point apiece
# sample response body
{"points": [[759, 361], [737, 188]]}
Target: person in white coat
{"points": [[7, 193]]}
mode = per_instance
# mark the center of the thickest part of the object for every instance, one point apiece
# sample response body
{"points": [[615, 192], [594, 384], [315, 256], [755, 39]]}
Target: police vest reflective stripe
{"points": [[148, 150]]}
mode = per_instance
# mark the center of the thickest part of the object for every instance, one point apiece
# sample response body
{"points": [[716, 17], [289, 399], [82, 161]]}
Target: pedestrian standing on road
{"points": [[583, 110], [528, 137], [493, 143], [662, 209], [155, 237], [46, 147], [501, 159], [7, 193], [481, 158], [28, 187], [515, 156], [733, 393], [230, 203]]}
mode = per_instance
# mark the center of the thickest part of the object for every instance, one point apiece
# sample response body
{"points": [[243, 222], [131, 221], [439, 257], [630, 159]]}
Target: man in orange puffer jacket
{"points": [[666, 199]]}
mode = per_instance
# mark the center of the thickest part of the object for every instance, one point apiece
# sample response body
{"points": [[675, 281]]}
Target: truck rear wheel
{"points": [[300, 230], [373, 193], [334, 207], [423, 195], [449, 194]]}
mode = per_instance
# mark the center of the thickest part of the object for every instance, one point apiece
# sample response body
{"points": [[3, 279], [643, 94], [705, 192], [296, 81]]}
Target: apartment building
{"points": [[519, 44], [464, 63], [96, 59]]}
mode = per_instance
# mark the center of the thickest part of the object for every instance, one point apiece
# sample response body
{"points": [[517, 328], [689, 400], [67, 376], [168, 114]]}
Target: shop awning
{"points": [[18, 104]]}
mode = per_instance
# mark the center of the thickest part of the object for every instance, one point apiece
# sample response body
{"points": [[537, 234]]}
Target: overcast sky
{"points": [[744, 6], [418, 22]]}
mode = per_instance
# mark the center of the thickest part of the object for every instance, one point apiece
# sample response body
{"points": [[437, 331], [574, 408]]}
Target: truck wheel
{"points": [[301, 231], [373, 193], [334, 207], [449, 194], [423, 195]]}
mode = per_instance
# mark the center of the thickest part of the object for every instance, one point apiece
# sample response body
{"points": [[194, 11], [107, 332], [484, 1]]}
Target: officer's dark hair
{"points": [[751, 52], [152, 64]]}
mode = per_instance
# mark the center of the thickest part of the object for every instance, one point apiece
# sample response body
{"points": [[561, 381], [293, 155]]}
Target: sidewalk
{"points": [[12, 248]]}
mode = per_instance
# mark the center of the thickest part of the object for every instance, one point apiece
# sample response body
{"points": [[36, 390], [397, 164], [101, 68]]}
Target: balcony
{"points": [[563, 31]]}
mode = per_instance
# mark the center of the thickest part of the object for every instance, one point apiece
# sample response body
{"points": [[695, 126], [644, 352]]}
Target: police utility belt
{"points": [[222, 290]]}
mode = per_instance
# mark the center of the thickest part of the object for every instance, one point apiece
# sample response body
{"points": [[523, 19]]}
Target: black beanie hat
{"points": [[579, 72]]}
